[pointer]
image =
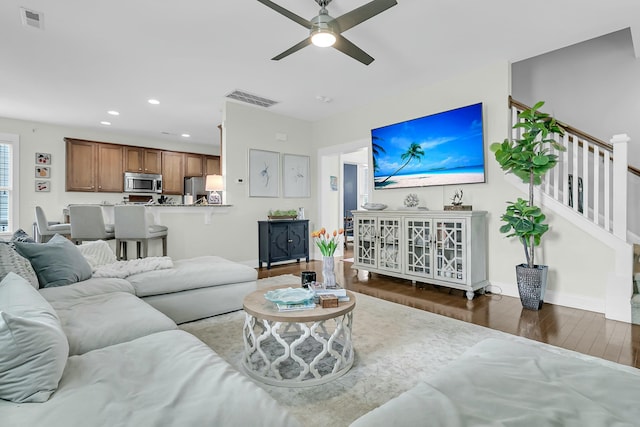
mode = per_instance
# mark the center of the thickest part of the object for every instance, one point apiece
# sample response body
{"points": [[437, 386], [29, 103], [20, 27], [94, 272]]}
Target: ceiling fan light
{"points": [[323, 38]]}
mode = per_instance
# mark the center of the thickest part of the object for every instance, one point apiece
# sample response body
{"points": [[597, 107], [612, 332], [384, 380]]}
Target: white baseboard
{"points": [[554, 297]]}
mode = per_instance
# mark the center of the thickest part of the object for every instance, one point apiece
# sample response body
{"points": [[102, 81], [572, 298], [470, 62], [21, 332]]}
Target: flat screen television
{"points": [[445, 148]]}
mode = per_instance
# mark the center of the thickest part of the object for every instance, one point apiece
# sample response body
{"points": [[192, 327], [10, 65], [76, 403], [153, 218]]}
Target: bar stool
{"points": [[135, 223], [87, 223], [46, 230]]}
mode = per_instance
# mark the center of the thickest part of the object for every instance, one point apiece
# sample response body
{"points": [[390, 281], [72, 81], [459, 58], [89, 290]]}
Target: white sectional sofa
{"points": [[95, 353]]}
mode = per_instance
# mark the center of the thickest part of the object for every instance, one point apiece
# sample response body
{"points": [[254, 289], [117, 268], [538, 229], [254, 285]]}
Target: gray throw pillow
{"points": [[34, 346], [11, 261], [57, 262], [21, 236]]}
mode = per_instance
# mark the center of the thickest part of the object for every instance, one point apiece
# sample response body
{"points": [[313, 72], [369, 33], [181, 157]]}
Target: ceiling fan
{"points": [[326, 31]]}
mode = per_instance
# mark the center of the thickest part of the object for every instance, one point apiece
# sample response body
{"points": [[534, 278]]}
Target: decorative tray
{"points": [[374, 206], [276, 217], [289, 296]]}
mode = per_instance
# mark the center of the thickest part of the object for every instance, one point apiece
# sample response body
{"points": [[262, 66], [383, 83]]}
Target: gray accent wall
{"points": [[593, 86]]}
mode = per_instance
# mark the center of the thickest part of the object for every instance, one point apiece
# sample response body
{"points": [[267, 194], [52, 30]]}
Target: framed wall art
{"points": [[43, 172], [43, 186], [264, 173], [295, 176], [43, 158]]}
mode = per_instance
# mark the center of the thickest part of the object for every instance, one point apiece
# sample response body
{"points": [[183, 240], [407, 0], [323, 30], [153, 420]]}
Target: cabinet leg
{"points": [[470, 295]]}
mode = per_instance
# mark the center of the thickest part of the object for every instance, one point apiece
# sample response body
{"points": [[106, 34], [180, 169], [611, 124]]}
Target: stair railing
{"points": [[591, 176]]}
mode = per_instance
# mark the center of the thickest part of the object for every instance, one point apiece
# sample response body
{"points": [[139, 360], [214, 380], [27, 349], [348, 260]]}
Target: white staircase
{"points": [[593, 186]]}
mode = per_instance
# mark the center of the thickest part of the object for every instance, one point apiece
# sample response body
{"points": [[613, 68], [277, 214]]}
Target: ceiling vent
{"points": [[242, 96], [31, 18]]}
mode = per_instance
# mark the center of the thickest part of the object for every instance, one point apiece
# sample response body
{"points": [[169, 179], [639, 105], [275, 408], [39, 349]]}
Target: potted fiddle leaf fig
{"points": [[529, 158]]}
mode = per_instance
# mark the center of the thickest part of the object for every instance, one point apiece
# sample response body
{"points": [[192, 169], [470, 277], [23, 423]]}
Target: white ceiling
{"points": [[96, 56]]}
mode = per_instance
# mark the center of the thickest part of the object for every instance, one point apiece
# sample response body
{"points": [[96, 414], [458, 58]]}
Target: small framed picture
{"points": [[43, 172], [43, 186], [43, 158], [333, 181]]}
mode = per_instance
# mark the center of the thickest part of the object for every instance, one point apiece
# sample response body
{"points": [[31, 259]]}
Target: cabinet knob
{"points": [[290, 241]]}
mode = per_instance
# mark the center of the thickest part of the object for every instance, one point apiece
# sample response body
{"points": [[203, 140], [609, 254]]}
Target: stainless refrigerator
{"points": [[195, 187]]}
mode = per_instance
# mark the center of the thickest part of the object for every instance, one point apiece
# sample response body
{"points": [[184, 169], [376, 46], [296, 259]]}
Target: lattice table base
{"points": [[297, 354]]}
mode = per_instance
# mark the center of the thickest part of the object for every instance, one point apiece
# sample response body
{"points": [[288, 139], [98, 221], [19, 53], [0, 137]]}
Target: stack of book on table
{"points": [[309, 305], [320, 289]]}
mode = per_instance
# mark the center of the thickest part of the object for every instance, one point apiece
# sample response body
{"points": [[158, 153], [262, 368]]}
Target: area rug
{"points": [[395, 347]]}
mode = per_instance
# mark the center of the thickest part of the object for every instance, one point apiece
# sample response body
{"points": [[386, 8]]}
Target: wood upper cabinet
{"points": [[193, 164], [93, 166], [110, 173], [212, 165], [81, 160], [172, 172], [142, 160]]}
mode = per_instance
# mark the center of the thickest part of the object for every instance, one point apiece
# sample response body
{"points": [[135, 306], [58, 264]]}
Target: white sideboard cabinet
{"points": [[447, 248]]}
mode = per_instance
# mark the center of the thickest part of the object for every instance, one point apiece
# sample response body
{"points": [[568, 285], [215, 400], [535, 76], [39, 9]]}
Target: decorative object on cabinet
{"points": [[43, 172], [374, 206], [283, 241], [437, 247], [411, 201], [278, 214], [43, 186], [214, 184], [264, 173], [529, 158], [295, 176], [43, 158]]}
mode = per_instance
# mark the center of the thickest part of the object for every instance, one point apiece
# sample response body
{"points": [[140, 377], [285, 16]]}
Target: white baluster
{"points": [[607, 190], [596, 184]]}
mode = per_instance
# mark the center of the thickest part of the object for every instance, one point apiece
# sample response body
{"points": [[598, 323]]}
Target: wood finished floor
{"points": [[579, 330]]}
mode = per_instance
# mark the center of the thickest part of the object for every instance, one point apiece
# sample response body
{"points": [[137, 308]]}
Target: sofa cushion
{"points": [[12, 261], [101, 320], [193, 273], [21, 236], [57, 262], [97, 253], [166, 379], [34, 347], [87, 288]]}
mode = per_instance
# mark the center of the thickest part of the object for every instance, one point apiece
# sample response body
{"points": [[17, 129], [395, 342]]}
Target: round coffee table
{"points": [[296, 348]]}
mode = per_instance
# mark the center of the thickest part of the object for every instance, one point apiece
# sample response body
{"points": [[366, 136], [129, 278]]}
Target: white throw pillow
{"points": [[97, 253], [33, 347]]}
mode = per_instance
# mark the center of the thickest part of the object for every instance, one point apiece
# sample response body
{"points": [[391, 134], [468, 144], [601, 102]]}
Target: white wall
{"points": [[575, 280]]}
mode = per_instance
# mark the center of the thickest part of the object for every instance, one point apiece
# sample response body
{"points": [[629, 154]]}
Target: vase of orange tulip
{"points": [[327, 243]]}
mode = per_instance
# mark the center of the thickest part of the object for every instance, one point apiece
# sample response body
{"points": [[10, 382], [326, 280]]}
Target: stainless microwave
{"points": [[142, 183]]}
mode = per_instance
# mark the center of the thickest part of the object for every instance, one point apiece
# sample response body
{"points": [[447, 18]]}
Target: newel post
{"points": [[620, 164]]}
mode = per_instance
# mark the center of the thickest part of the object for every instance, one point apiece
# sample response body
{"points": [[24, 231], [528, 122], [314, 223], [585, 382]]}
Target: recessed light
{"points": [[186, 135], [153, 101], [113, 112], [105, 123], [324, 99]]}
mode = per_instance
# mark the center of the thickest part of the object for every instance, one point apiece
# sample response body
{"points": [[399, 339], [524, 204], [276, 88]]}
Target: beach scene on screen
{"points": [[446, 148]]}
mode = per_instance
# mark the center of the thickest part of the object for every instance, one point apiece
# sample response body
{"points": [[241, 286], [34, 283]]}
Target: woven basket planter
{"points": [[532, 283]]}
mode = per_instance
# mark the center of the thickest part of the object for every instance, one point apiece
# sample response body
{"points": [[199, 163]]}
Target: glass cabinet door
{"points": [[418, 247], [450, 250], [365, 239], [389, 243]]}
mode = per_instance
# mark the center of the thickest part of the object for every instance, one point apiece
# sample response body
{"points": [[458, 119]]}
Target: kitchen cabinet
{"points": [[212, 165], [172, 172], [193, 164], [94, 167], [283, 241], [142, 160], [445, 248]]}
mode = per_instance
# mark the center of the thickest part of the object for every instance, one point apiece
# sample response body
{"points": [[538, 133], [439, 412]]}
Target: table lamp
{"points": [[213, 185]]}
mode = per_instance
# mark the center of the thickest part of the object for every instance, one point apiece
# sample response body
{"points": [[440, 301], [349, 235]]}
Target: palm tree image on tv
{"points": [[440, 149], [415, 151]]}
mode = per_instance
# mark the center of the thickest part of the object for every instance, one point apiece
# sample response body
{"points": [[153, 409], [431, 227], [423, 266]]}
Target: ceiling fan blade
{"points": [[348, 48], [362, 13], [303, 43], [300, 20]]}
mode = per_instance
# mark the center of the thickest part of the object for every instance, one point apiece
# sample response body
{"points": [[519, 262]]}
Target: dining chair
{"points": [[87, 223], [134, 223], [46, 230]]}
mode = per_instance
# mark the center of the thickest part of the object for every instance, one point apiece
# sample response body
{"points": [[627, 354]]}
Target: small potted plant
{"points": [[529, 158]]}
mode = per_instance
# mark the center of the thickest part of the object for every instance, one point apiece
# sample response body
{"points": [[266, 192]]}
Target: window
{"points": [[8, 182]]}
